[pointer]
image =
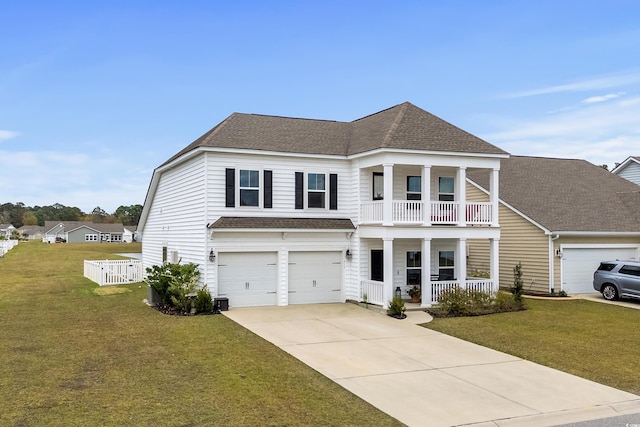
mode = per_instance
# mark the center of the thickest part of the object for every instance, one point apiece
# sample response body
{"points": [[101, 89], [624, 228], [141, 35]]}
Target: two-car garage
{"points": [[579, 263], [259, 279]]}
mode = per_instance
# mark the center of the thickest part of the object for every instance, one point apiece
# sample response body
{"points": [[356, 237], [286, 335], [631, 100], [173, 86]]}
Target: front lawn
{"points": [[600, 342], [74, 354]]}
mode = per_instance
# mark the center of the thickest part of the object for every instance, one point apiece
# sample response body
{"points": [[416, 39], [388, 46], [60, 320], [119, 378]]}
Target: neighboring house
{"points": [[280, 211], [82, 231], [629, 169], [32, 232], [559, 218], [130, 234], [6, 230]]}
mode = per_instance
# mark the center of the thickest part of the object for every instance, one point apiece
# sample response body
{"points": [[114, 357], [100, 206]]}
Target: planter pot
{"points": [[153, 298], [415, 298]]}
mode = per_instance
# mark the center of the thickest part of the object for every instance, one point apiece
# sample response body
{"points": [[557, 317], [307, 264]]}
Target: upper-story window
{"points": [[446, 191], [249, 187], [414, 188], [378, 186], [316, 190]]}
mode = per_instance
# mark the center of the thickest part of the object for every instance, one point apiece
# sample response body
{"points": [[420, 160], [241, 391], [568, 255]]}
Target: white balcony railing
{"points": [[412, 212]]}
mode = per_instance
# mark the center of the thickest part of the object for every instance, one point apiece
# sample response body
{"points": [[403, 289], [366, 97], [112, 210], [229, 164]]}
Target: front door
{"points": [[377, 265]]}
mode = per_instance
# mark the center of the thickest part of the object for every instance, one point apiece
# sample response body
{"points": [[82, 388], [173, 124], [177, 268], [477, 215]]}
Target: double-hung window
{"points": [[249, 187], [316, 190], [414, 268], [414, 188], [446, 265], [446, 190]]}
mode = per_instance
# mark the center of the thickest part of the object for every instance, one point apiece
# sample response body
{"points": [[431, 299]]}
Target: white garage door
{"points": [[315, 277], [578, 265], [248, 279]]}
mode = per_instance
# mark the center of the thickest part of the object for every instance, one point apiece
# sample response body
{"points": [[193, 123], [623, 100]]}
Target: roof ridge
{"points": [[403, 108], [291, 118]]}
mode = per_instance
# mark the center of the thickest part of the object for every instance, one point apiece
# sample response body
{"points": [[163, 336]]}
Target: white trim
{"points": [[598, 246], [623, 165]]}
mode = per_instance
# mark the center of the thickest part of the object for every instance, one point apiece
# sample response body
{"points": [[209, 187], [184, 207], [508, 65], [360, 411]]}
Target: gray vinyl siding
{"points": [[631, 172]]}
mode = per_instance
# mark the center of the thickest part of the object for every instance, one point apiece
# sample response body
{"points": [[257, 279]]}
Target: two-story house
{"points": [[279, 210]]}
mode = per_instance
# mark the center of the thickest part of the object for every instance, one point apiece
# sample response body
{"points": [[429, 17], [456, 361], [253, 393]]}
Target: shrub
{"points": [[173, 282], [203, 302], [396, 307], [469, 302], [518, 287]]}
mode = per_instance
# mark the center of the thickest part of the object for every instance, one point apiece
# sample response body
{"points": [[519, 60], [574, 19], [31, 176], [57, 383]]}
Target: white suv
{"points": [[617, 279]]}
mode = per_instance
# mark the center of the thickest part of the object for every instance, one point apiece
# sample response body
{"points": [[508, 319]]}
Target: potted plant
{"points": [[415, 292]]}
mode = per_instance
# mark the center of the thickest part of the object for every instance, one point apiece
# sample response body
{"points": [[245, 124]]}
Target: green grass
{"points": [[70, 356], [600, 342]]}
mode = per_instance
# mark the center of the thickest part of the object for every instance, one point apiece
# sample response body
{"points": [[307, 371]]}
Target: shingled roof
{"points": [[403, 126], [566, 194]]}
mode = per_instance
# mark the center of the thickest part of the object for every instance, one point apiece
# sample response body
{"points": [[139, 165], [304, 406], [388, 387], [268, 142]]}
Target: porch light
{"points": [[398, 292], [212, 256], [348, 254]]}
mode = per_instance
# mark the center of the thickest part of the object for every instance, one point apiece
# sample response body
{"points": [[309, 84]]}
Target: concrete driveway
{"points": [[425, 378]]}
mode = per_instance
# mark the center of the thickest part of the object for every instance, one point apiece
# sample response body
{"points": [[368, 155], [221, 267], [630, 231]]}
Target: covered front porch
{"points": [[433, 266]]}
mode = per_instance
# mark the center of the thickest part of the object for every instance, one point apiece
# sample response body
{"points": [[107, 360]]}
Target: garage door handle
{"points": [[291, 292], [273, 292]]}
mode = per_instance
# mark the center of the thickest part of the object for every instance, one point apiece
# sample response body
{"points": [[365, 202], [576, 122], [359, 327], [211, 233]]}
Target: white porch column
{"points": [[426, 195], [494, 263], [426, 273], [387, 206], [461, 262], [387, 250], [462, 196], [493, 196]]}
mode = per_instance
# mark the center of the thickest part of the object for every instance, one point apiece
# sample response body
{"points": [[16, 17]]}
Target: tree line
{"points": [[18, 214]]}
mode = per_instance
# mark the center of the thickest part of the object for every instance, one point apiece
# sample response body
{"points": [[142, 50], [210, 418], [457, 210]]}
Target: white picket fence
{"points": [[114, 272], [6, 246]]}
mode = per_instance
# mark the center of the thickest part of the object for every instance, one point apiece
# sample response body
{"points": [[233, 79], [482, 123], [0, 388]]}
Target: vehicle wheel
{"points": [[609, 292]]}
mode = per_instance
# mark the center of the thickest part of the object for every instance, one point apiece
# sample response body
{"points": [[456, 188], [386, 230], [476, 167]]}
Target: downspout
{"points": [[552, 261]]}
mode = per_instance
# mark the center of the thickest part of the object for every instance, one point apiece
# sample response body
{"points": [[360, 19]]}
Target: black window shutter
{"points": [[299, 190], [230, 188], [333, 191], [268, 189]]}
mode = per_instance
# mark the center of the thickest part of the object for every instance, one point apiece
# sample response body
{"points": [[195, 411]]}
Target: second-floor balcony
{"points": [[406, 212]]}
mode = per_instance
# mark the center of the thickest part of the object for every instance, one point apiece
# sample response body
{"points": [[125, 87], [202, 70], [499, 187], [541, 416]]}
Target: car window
{"points": [[606, 266], [632, 270]]}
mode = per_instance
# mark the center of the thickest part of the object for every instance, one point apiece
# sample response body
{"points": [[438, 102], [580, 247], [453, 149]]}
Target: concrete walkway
{"points": [[597, 297], [425, 378]]}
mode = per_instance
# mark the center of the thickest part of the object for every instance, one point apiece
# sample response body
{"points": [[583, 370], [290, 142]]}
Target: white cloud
{"points": [[600, 132], [602, 98], [592, 83], [7, 134]]}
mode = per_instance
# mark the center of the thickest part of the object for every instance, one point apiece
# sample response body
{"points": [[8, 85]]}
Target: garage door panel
{"points": [[578, 265], [248, 279], [315, 277]]}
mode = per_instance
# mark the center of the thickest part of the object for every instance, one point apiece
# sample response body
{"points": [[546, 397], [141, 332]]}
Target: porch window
{"points": [[249, 187], [378, 186], [316, 190], [414, 270], [414, 188], [446, 266], [446, 190]]}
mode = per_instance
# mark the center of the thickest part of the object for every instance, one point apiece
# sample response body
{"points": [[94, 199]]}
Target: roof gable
{"points": [[566, 194], [403, 126]]}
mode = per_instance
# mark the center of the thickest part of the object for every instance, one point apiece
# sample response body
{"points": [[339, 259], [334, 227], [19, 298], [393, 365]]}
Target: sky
{"points": [[95, 95]]}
